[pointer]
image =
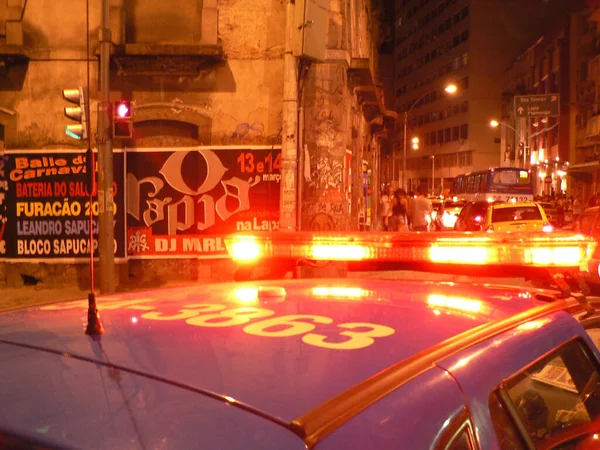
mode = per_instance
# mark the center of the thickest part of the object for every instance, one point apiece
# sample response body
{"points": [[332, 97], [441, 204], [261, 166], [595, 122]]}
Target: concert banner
{"points": [[182, 202], [45, 207]]}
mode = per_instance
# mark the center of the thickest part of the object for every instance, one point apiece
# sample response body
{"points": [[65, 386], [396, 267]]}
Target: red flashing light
{"points": [[529, 249]]}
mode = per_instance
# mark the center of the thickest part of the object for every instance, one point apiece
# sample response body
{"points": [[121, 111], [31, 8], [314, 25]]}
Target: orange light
{"points": [[462, 255], [349, 252], [339, 291], [530, 248], [245, 249], [545, 256]]}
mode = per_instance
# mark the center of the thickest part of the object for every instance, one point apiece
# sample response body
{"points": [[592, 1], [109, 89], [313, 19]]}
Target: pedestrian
{"points": [[420, 210], [398, 220], [577, 208], [386, 210]]}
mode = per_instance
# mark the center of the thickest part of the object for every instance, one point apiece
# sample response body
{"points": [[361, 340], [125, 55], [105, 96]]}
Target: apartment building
{"points": [[468, 43]]}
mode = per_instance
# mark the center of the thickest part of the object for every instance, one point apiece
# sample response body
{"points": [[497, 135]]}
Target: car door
{"points": [[462, 220], [554, 403]]}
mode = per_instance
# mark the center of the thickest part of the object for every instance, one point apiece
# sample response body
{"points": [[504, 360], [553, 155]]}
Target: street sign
{"points": [[545, 105]]}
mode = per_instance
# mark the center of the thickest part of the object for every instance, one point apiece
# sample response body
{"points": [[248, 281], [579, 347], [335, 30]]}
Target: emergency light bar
{"points": [[527, 249]]}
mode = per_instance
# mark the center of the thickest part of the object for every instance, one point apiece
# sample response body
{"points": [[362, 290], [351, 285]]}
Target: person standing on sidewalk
{"points": [[399, 218], [386, 210], [420, 210]]}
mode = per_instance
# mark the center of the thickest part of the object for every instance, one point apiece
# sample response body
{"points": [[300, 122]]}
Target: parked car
{"points": [[486, 216], [588, 223], [345, 363], [447, 213], [555, 217], [436, 202]]}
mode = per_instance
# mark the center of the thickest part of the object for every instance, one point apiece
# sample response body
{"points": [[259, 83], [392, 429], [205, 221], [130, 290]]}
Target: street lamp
{"points": [[495, 124], [450, 89]]}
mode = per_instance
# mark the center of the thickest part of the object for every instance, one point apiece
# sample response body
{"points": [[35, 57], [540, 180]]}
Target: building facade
{"points": [[205, 74], [469, 43]]}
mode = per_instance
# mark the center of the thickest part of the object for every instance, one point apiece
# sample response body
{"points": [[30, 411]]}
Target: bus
{"points": [[495, 184]]}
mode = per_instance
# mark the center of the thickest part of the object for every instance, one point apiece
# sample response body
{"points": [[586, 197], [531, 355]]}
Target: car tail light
{"points": [[547, 227]]}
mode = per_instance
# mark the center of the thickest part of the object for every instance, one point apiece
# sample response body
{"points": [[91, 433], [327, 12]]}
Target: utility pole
{"points": [[404, 151], [289, 147], [105, 162]]}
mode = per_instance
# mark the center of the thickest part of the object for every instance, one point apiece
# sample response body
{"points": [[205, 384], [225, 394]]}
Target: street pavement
{"points": [[15, 298]]}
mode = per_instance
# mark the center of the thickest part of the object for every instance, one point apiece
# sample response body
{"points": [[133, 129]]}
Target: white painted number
{"points": [[185, 313], [285, 326], [229, 317], [358, 339]]}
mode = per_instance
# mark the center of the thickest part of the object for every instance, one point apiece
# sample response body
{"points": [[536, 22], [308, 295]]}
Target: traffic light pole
{"points": [[105, 162]]}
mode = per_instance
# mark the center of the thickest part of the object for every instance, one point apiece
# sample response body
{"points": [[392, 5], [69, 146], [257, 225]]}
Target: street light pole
{"points": [[433, 174], [105, 162], [451, 89]]}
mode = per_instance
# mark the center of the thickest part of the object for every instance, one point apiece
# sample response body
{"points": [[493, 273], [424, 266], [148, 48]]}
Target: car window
{"points": [[479, 209], [458, 434], [510, 214], [462, 441], [596, 230], [507, 433], [586, 221], [555, 394], [454, 204]]}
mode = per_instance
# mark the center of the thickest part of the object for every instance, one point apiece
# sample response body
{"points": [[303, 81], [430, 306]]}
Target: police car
{"points": [[296, 363]]}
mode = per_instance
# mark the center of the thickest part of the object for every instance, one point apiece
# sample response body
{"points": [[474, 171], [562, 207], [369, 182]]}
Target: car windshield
{"points": [[510, 214], [454, 204]]}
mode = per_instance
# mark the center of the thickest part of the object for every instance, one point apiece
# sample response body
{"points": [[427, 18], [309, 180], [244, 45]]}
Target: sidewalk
{"points": [[22, 297]]}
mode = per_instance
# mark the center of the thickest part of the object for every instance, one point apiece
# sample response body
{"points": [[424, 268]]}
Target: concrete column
{"points": [[326, 135]]}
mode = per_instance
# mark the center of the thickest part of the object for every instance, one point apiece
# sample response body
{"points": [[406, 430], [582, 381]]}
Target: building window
{"points": [[455, 133], [447, 134], [464, 107], [464, 131], [433, 137], [465, 59], [440, 137]]}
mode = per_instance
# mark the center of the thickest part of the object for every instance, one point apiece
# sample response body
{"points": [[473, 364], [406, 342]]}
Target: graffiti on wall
{"points": [[324, 216], [326, 136], [251, 131]]}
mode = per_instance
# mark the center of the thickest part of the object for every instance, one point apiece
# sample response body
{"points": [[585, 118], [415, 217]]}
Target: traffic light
{"points": [[77, 113], [123, 123], [415, 143]]}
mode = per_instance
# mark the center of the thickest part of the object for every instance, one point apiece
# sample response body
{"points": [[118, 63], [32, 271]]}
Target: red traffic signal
{"points": [[123, 110], [123, 124]]}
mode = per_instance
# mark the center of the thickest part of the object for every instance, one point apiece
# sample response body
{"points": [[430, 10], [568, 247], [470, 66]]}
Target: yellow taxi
{"points": [[485, 216]]}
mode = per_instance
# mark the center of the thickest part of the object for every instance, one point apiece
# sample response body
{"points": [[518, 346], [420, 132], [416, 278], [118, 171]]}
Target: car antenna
{"points": [[94, 326]]}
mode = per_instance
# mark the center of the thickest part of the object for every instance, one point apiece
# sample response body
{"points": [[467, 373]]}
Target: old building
{"points": [[206, 85]]}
